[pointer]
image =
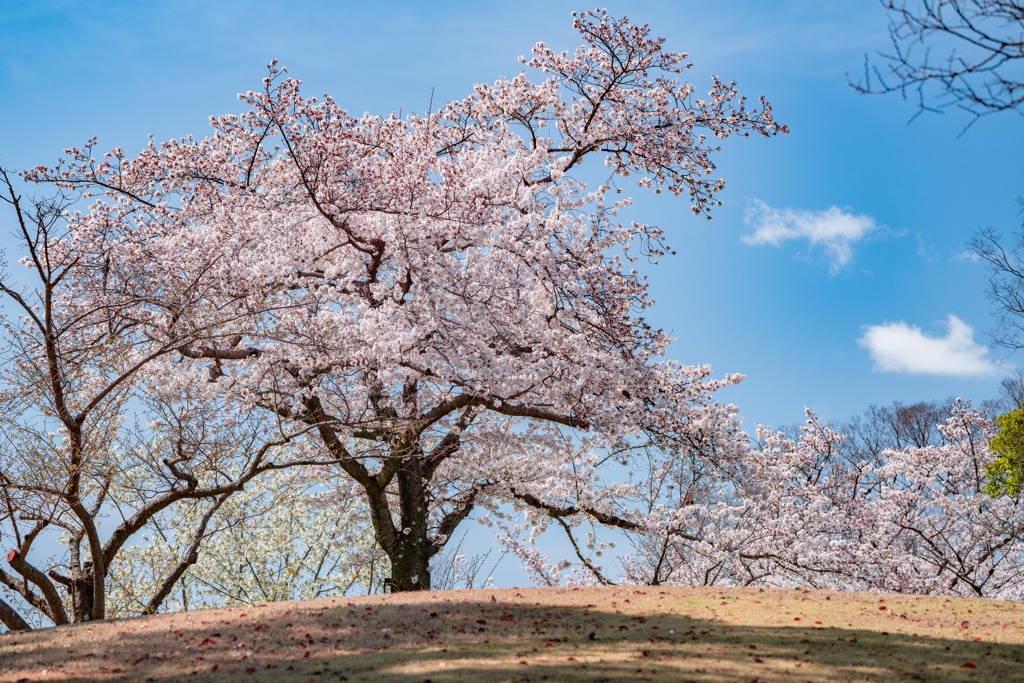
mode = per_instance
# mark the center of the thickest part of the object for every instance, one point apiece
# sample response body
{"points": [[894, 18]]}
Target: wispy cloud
{"points": [[966, 255], [899, 347], [832, 229]]}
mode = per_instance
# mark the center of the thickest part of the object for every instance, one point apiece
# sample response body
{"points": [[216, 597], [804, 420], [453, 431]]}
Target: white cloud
{"points": [[833, 229], [899, 347], [966, 255]]}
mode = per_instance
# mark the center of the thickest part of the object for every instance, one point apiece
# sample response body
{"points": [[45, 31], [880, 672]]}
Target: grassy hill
{"points": [[565, 634]]}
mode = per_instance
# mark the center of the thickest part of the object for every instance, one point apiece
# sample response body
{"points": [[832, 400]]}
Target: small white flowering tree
{"points": [[282, 538]]}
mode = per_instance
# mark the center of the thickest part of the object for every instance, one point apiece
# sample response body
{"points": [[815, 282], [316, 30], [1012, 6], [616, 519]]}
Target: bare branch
{"points": [[188, 558]]}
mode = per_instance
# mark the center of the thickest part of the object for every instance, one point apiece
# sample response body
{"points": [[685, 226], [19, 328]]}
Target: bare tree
{"points": [[1012, 390], [1006, 284], [963, 54]]}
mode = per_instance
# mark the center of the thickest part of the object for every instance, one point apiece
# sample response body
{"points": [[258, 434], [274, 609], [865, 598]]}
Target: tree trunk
{"points": [[410, 566], [407, 546], [85, 594]]}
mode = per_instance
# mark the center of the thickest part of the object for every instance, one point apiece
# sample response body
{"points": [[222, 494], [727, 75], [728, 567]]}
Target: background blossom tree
{"points": [[916, 520], [825, 510]]}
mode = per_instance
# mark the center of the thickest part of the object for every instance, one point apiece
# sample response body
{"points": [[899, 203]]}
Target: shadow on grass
{"points": [[474, 639]]}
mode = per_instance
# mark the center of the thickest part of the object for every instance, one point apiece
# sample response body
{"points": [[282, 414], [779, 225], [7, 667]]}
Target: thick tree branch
{"points": [[453, 519], [22, 588], [54, 605], [188, 558], [11, 619], [137, 521]]}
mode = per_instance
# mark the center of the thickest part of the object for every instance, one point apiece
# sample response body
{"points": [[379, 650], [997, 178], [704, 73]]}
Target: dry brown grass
{"points": [[604, 634]]}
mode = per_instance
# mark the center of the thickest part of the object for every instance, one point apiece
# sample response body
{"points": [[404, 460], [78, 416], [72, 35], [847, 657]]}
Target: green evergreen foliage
{"points": [[1006, 473]]}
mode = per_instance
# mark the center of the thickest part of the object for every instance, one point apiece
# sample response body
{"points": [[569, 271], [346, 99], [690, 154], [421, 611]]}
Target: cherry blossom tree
{"points": [[919, 520], [816, 512], [93, 445], [436, 297]]}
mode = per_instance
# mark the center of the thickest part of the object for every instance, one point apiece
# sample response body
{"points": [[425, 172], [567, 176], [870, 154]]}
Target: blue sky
{"points": [[833, 277]]}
